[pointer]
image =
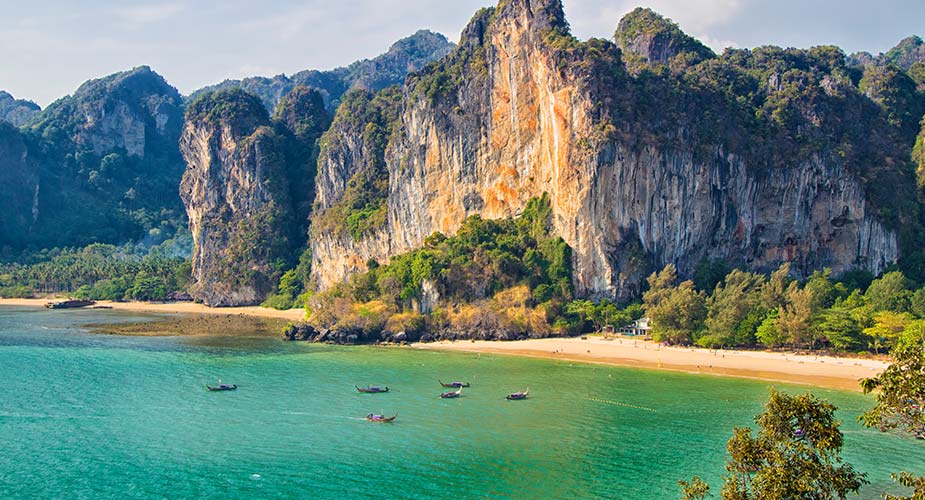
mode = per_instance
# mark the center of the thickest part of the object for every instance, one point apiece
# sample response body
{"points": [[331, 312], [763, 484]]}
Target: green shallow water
{"points": [[87, 416]]}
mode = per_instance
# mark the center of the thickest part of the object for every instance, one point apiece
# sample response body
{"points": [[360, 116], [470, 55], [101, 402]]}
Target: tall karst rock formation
{"points": [[246, 190], [660, 152]]}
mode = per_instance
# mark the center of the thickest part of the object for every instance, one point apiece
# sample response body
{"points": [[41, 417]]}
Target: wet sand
{"points": [[175, 308]]}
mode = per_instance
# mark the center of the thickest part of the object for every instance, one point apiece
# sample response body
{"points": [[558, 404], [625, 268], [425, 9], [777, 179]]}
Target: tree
{"points": [[824, 291], [695, 489], [917, 305], [886, 329], [901, 397], [731, 303], [774, 292], [840, 328], [794, 321], [767, 332], [889, 293], [676, 312], [795, 454]]}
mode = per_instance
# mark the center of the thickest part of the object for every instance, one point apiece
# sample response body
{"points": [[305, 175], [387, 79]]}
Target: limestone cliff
{"points": [[242, 193], [236, 197], [642, 170]]}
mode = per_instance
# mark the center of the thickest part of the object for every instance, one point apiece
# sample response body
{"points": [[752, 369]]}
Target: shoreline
{"points": [[791, 368], [173, 308], [802, 369]]}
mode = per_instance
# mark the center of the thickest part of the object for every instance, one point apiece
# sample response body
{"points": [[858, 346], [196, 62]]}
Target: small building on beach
{"points": [[639, 328]]}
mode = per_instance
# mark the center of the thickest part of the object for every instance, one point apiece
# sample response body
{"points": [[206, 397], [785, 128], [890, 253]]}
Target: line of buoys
{"points": [[617, 403]]}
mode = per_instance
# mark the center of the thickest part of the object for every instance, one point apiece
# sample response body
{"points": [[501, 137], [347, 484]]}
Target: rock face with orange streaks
{"points": [[521, 108]]}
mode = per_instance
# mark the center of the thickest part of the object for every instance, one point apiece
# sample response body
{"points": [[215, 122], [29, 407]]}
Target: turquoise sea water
{"points": [[88, 416]]}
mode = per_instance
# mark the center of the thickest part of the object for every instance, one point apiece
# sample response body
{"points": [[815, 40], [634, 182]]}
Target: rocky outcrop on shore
{"points": [[340, 336]]}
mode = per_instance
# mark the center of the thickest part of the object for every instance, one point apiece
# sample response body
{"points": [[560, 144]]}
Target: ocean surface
{"points": [[85, 416]]}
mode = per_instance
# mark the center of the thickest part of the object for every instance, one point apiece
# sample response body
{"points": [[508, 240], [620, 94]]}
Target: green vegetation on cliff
{"points": [[16, 112], [646, 37], [507, 274], [234, 106], [372, 119], [106, 163]]}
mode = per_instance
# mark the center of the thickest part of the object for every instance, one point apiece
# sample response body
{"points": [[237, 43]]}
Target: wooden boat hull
{"points": [[222, 388], [383, 420], [451, 395], [517, 396], [455, 385], [372, 390]]}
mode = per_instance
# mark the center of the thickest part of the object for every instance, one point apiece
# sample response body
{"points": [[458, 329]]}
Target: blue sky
{"points": [[50, 46]]}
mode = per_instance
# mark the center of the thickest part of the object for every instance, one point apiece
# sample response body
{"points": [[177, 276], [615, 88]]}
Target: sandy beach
{"points": [[175, 308], [821, 371]]}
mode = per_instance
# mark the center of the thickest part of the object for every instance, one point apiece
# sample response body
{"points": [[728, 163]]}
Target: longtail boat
{"points": [[454, 385], [372, 389], [381, 418], [452, 394], [222, 387], [518, 395]]}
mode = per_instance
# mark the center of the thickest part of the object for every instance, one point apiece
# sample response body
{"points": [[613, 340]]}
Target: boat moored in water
{"points": [[69, 304], [517, 396], [371, 389], [454, 385], [452, 394], [372, 417], [222, 387]]}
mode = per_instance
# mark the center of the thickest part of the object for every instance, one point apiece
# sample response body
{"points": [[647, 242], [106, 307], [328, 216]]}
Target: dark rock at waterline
{"points": [[300, 332], [353, 336]]}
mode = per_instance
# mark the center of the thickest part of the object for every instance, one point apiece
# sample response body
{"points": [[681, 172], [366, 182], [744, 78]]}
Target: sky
{"points": [[49, 47]]}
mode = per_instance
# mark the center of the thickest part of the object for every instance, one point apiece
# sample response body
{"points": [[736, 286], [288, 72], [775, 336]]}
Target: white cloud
{"points": [[147, 14], [717, 45]]}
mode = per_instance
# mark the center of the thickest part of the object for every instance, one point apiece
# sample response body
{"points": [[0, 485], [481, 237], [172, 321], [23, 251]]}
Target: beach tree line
{"points": [[98, 272], [745, 309]]}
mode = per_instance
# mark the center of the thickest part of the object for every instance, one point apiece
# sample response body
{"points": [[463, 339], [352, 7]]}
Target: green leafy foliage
{"points": [[233, 106], [507, 275], [677, 311], [901, 398], [747, 310], [293, 285], [695, 489], [647, 37], [901, 388], [98, 272], [796, 453], [482, 259]]}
